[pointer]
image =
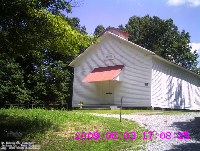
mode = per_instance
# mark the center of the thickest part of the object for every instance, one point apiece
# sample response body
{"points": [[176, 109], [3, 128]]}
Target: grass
{"points": [[143, 112], [55, 130]]}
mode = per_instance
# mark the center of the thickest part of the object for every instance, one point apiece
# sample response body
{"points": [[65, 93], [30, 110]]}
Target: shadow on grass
{"points": [[28, 127]]}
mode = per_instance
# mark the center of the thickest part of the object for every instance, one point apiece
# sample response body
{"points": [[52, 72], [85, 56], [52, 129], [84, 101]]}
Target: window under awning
{"points": [[103, 73]]}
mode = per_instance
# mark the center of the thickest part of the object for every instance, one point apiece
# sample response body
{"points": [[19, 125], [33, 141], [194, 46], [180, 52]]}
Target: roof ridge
{"points": [[153, 53]]}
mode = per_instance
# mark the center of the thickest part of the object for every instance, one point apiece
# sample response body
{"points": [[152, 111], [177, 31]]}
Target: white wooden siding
{"points": [[136, 73], [173, 87]]}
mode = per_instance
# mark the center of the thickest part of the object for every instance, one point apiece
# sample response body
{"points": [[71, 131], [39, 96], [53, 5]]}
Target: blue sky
{"points": [[185, 14]]}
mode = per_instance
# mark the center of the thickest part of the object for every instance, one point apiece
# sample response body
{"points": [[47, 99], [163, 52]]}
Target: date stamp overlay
{"points": [[17, 145], [132, 135]]}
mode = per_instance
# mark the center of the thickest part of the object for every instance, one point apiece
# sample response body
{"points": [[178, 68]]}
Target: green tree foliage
{"points": [[99, 29], [75, 24], [36, 46], [163, 38], [12, 82], [121, 27]]}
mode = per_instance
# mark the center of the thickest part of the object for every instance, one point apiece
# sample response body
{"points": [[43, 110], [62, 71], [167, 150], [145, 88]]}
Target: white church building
{"points": [[115, 67]]}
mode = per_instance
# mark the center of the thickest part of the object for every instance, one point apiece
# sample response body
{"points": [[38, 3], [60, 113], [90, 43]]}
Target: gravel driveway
{"points": [[189, 122]]}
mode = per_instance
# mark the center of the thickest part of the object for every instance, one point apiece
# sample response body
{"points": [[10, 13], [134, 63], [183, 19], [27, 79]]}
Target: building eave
{"points": [[107, 33], [176, 65], [73, 63]]}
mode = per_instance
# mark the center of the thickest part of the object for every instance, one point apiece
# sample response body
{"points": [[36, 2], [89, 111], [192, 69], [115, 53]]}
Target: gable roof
{"points": [[107, 33]]}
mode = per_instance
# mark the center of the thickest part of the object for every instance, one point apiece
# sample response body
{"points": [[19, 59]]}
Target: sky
{"points": [[185, 14]]}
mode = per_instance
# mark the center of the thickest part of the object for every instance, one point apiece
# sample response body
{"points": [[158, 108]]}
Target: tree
{"points": [[12, 83], [163, 38], [121, 27], [75, 24], [99, 29], [21, 25], [36, 46]]}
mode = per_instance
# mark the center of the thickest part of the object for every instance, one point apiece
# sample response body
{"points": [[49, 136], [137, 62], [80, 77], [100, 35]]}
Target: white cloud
{"points": [[192, 3], [175, 2], [195, 46]]}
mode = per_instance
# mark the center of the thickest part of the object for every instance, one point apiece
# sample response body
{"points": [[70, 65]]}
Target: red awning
{"points": [[103, 73]]}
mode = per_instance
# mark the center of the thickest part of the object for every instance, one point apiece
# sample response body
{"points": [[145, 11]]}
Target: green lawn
{"points": [[142, 112], [55, 130]]}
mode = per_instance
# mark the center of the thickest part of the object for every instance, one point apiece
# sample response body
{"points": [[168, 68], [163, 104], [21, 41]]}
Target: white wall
{"points": [[136, 73], [173, 87]]}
